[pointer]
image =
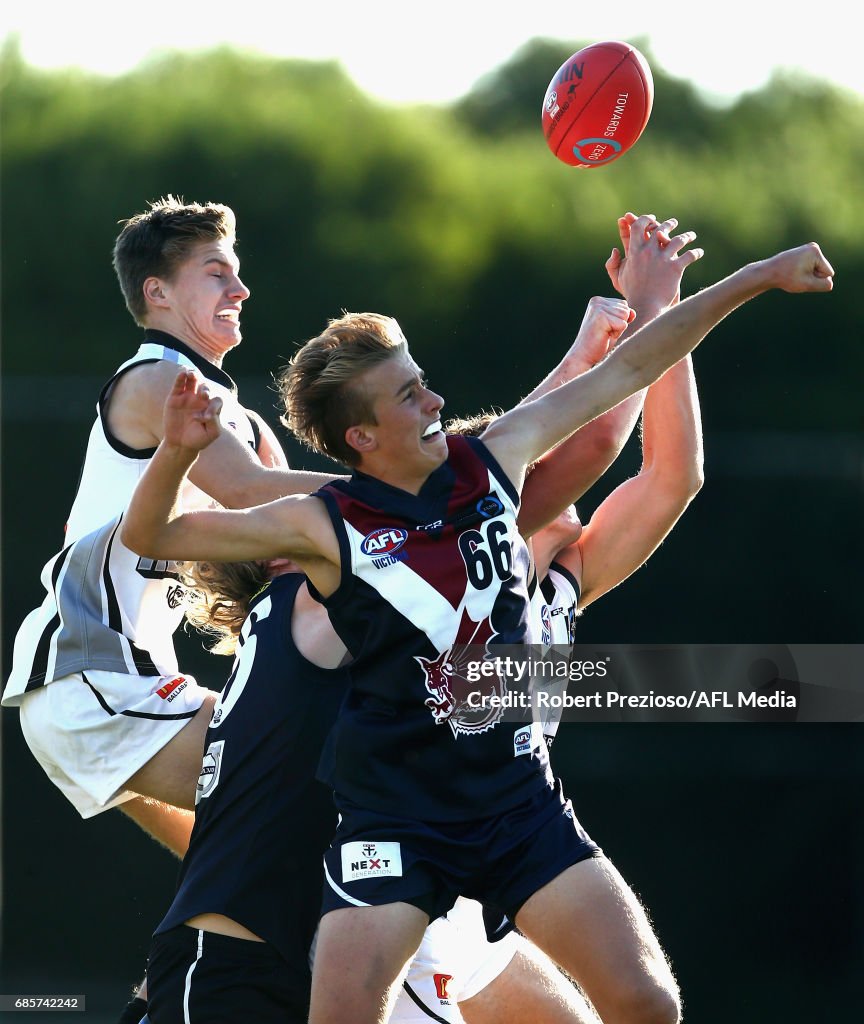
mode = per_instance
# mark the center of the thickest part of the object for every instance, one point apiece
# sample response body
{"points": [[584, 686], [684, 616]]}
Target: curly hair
{"points": [[470, 426], [219, 598], [473, 426]]}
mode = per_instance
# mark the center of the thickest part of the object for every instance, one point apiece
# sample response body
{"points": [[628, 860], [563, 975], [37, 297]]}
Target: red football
{"points": [[598, 104]]}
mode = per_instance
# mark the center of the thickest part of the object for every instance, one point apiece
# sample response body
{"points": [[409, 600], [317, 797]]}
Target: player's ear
{"points": [[154, 291], [361, 440]]}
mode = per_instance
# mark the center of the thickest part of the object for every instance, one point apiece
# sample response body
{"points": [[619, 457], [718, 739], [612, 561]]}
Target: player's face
{"points": [[407, 434], [205, 297]]}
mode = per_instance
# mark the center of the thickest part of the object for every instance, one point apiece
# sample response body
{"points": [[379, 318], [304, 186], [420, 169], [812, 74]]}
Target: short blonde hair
{"points": [[154, 243], [318, 390]]}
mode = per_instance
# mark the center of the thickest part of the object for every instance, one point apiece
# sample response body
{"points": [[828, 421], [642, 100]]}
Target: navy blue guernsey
{"points": [[262, 821], [423, 576]]}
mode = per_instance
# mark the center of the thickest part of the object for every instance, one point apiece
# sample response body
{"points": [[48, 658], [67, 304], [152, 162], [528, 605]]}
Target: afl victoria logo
{"points": [[522, 741], [384, 541]]}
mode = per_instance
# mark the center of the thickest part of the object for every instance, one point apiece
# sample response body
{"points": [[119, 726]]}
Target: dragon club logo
{"points": [[446, 681]]}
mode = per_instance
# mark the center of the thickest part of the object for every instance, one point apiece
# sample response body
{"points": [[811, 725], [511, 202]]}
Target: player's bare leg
{"points": [[167, 784], [531, 989], [170, 826], [359, 954], [171, 775], [591, 923]]}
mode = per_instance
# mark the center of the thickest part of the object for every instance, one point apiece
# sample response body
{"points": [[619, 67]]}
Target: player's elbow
{"points": [[693, 479], [686, 487], [683, 475], [132, 538], [607, 439], [677, 487], [139, 539]]}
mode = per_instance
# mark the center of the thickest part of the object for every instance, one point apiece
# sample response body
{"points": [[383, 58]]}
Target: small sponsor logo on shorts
{"points": [[522, 741], [208, 779], [441, 983], [371, 860], [168, 691]]}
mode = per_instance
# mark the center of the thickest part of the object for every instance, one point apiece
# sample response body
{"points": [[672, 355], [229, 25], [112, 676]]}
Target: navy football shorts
{"points": [[378, 859], [198, 977]]}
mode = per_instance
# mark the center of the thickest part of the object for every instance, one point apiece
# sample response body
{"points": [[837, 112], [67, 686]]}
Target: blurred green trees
{"points": [[458, 221]]}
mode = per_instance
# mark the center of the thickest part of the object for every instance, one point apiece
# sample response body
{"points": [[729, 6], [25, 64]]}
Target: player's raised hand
{"points": [[615, 262], [603, 324], [648, 273], [191, 416], [803, 269]]}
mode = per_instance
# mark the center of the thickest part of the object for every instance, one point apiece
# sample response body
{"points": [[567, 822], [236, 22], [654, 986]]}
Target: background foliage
{"points": [[458, 221]]}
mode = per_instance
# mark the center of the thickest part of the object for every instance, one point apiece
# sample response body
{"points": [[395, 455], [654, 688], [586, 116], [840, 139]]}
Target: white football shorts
{"points": [[92, 731], [454, 962]]}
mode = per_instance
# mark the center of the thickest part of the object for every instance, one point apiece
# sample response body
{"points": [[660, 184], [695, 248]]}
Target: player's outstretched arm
{"points": [[634, 519], [155, 525], [648, 276], [228, 470], [526, 432], [647, 271], [563, 475]]}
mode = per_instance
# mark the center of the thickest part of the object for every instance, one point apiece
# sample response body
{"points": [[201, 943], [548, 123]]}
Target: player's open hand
{"points": [[191, 416], [616, 261], [648, 270], [804, 269], [604, 322]]}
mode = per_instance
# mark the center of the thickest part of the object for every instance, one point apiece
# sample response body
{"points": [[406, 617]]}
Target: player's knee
{"points": [[650, 1001]]}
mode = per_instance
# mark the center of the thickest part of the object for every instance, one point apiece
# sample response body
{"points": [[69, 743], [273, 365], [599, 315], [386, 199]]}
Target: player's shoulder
{"points": [[143, 385], [472, 461], [133, 402], [156, 363], [151, 371], [466, 452]]}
